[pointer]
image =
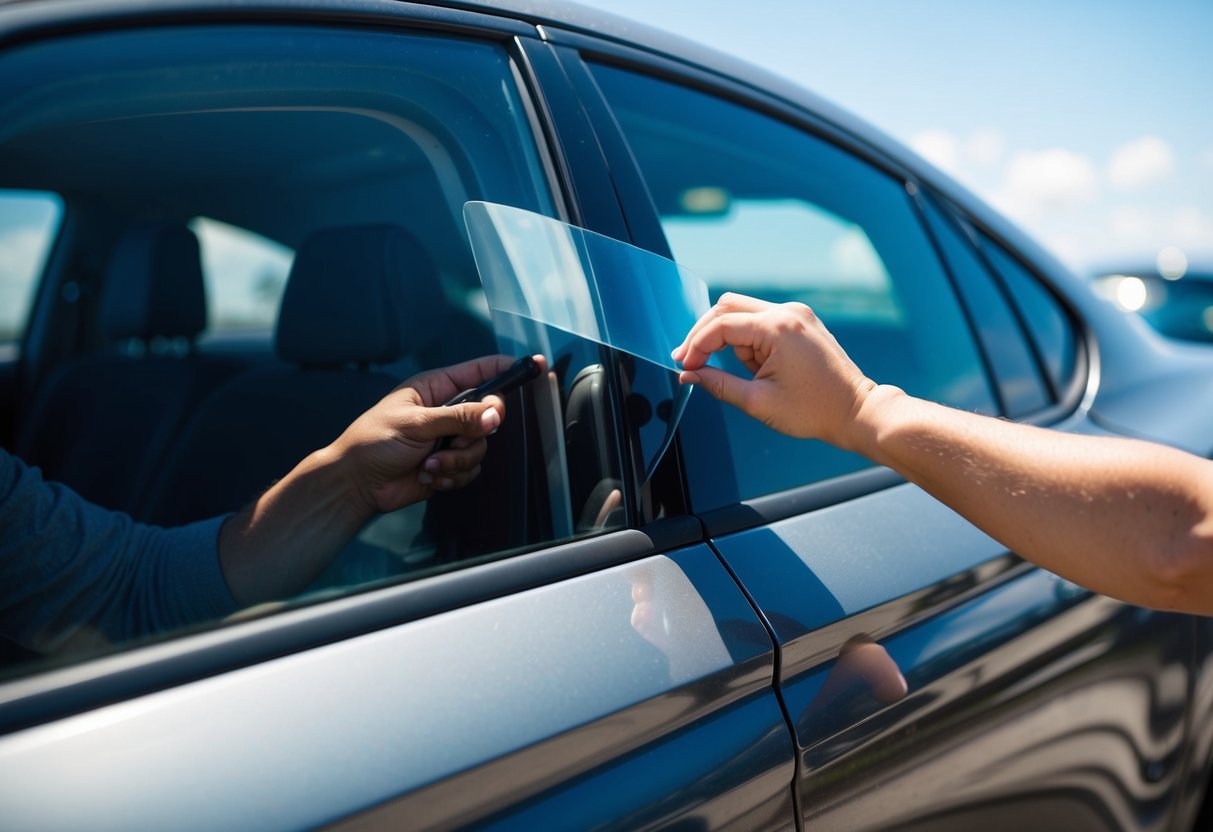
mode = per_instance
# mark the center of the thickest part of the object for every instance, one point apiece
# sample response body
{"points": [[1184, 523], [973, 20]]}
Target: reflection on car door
{"points": [[1023, 696]]}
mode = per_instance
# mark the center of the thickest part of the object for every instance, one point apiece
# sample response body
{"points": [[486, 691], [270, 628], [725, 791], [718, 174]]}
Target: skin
{"points": [[383, 461], [1125, 518]]}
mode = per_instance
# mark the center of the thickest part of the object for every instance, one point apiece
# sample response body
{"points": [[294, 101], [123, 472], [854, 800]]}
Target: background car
{"points": [[1177, 305], [236, 226]]}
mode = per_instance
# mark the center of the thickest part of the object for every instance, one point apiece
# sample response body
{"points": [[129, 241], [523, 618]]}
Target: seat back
{"points": [[356, 296], [101, 421]]}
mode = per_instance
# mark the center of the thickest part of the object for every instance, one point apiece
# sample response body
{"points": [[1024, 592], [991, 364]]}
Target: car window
{"points": [[300, 184], [1020, 382], [245, 275], [757, 206], [1046, 320], [29, 221]]}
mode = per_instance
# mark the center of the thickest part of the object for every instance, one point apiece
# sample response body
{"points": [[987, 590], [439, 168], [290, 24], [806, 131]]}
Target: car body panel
{"points": [[826, 579], [1019, 712], [503, 700]]}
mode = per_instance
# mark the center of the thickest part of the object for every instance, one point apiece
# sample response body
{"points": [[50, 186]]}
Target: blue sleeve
{"points": [[70, 569]]}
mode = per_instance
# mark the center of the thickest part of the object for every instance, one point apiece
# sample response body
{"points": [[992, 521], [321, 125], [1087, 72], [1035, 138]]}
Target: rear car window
{"points": [[211, 170], [29, 221], [1046, 319], [757, 206], [245, 275], [1020, 379]]}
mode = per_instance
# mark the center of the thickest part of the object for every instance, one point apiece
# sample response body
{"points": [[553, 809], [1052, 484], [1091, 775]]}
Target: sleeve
{"points": [[71, 569]]}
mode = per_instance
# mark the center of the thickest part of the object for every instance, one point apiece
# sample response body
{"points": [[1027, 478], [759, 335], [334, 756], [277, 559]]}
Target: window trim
{"points": [[664, 68], [1069, 394], [918, 197], [46, 695]]}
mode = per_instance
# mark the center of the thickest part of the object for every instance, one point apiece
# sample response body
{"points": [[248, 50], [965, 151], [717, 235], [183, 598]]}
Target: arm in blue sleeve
{"points": [[71, 569]]}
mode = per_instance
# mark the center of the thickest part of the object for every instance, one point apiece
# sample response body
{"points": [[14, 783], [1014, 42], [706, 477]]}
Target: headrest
{"points": [[153, 287], [359, 295]]}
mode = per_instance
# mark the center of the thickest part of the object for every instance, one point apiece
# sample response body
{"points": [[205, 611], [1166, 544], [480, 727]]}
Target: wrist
{"points": [[872, 421], [333, 472]]}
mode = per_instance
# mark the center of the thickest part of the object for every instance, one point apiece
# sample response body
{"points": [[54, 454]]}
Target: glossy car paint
{"points": [[983, 727], [1029, 701], [468, 713]]}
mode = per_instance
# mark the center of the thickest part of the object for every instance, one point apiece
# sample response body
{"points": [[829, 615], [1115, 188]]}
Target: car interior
{"points": [[134, 392]]}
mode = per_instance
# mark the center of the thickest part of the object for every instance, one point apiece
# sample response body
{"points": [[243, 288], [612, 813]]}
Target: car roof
{"points": [[555, 16]]}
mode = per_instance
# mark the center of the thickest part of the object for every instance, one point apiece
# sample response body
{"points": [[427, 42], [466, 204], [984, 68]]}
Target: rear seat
{"points": [[102, 421], [356, 296]]}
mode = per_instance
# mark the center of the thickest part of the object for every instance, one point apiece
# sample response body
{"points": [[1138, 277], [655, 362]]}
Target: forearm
{"points": [[280, 543], [1126, 518]]}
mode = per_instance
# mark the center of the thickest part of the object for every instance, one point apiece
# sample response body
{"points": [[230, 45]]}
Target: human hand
{"points": [[389, 451], [804, 384], [861, 660]]}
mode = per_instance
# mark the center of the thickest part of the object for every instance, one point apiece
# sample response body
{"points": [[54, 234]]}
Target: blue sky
{"points": [[1089, 123]]}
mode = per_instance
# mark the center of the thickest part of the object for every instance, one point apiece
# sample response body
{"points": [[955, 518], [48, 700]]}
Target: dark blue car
{"points": [[648, 611]]}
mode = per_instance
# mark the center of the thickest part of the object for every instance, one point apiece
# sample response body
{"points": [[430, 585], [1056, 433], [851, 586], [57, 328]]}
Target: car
{"points": [[1177, 303], [229, 227]]}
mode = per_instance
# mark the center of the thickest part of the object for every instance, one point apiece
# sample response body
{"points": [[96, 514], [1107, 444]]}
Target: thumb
{"points": [[725, 386], [473, 419]]}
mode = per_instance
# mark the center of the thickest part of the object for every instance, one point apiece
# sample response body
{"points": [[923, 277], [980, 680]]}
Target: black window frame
{"points": [[1066, 393]]}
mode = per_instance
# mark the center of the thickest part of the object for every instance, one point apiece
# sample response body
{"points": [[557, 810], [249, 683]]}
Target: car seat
{"points": [[356, 296], [101, 419]]}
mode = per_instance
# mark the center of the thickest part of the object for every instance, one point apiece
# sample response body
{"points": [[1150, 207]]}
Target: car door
{"points": [[510, 682], [932, 679]]}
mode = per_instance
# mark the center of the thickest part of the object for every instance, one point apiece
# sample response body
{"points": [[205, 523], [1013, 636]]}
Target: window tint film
{"points": [[29, 221], [1020, 383], [756, 206], [1044, 316], [268, 235]]}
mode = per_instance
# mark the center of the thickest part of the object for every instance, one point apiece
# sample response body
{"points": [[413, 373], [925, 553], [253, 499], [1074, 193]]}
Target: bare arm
{"points": [[1125, 518], [383, 461]]}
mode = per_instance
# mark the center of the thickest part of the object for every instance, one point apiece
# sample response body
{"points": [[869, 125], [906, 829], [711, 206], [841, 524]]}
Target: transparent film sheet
{"points": [[615, 294]]}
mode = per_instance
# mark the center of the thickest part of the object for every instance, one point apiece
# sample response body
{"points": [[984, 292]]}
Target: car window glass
{"points": [[245, 275], [1045, 318], [29, 221], [1019, 379], [305, 186], [754, 205]]}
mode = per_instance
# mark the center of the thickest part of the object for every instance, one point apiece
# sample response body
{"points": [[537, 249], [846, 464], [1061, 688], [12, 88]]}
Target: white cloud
{"points": [[982, 148], [939, 147], [1141, 162], [1131, 234], [985, 147], [1130, 225], [1192, 228], [1037, 182]]}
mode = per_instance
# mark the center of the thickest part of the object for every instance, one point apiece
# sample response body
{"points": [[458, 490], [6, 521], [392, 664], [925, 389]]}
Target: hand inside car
{"points": [[391, 452], [386, 459]]}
